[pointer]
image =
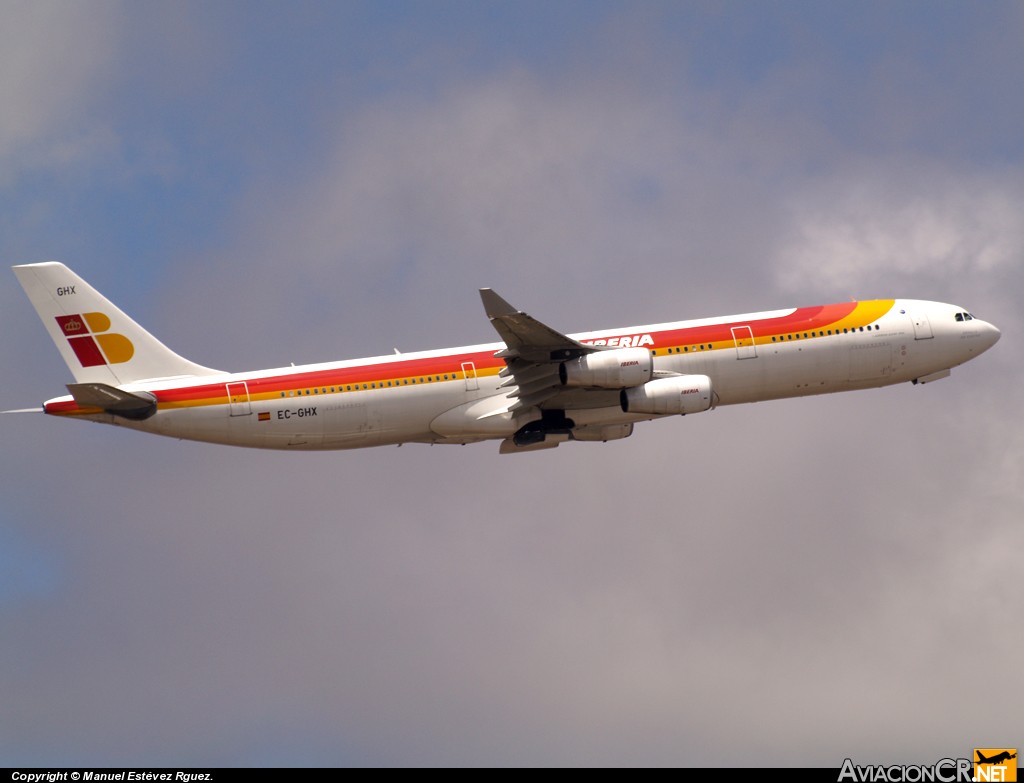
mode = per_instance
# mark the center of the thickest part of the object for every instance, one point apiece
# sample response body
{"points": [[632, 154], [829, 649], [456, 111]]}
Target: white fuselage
{"points": [[455, 395]]}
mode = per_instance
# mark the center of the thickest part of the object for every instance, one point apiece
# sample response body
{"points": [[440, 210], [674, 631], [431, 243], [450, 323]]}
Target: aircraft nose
{"points": [[992, 335]]}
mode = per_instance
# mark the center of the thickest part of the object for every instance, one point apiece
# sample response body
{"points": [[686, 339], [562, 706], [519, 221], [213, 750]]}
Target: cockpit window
{"points": [[964, 317]]}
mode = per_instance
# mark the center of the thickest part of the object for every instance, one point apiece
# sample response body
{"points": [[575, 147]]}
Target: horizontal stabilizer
{"points": [[130, 405]]}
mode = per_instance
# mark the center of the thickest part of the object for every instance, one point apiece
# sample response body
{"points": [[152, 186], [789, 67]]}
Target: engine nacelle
{"points": [[616, 369], [602, 432], [679, 394]]}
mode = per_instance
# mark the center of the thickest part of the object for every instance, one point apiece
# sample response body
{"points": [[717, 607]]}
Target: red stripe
{"points": [[802, 319]]}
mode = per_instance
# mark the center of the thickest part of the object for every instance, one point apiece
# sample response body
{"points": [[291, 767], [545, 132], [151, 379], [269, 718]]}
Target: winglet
{"points": [[494, 305], [526, 337]]}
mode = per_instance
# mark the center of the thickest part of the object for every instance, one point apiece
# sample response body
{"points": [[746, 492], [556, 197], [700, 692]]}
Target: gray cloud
{"points": [[53, 57], [869, 224]]}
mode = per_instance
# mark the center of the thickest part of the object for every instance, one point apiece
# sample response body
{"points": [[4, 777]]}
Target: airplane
{"points": [[999, 758], [534, 390]]}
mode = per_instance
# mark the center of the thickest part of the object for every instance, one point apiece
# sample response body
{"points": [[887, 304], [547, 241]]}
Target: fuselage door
{"points": [[922, 326], [469, 370], [743, 336], [238, 399]]}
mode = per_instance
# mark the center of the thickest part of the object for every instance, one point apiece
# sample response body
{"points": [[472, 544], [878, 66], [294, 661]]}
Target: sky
{"points": [[259, 183]]}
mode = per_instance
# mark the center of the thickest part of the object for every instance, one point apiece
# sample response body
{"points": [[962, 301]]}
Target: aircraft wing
{"points": [[532, 353], [527, 338]]}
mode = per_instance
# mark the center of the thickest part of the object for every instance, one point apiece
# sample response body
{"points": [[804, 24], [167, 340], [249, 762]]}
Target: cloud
{"points": [[858, 227], [55, 58], [574, 199]]}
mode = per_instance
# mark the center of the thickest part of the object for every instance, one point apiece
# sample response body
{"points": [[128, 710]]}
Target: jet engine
{"points": [[678, 394], [615, 369]]}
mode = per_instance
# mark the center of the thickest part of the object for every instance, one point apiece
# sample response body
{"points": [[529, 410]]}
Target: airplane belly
{"points": [[396, 415], [350, 422], [484, 418], [870, 360], [313, 422], [210, 424], [791, 369], [291, 424], [266, 425]]}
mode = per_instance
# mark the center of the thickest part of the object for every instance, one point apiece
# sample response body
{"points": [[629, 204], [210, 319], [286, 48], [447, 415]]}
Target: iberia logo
{"points": [[93, 344], [995, 764]]}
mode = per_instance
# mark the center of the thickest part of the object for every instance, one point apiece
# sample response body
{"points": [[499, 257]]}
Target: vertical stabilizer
{"points": [[97, 340]]}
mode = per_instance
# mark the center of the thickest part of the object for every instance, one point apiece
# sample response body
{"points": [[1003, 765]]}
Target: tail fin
{"points": [[99, 343]]}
